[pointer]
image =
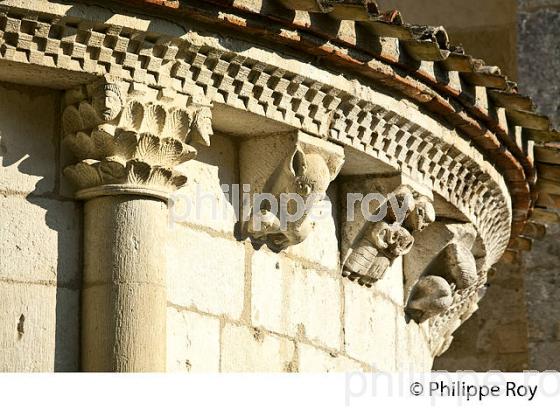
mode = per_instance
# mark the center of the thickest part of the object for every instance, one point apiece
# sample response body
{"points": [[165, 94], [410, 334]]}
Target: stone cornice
{"points": [[347, 113]]}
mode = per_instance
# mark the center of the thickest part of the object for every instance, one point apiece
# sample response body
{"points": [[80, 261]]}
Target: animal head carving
{"points": [[299, 180], [393, 240], [309, 173], [422, 215], [431, 296]]}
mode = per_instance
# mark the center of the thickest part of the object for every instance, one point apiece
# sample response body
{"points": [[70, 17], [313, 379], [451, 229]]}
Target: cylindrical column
{"points": [[124, 295]]}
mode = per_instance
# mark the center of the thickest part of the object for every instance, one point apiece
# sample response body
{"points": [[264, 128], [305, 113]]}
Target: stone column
{"points": [[123, 294], [128, 142]]}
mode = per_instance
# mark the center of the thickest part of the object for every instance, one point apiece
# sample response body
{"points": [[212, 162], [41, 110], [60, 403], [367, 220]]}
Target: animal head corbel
{"points": [[431, 296], [297, 182], [421, 216], [393, 240], [454, 268]]}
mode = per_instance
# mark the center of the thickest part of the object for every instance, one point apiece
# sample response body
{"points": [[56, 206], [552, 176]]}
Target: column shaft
{"points": [[124, 295]]}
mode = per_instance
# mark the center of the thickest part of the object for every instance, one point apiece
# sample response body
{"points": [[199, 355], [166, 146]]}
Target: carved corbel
{"points": [[449, 287], [380, 242], [129, 138], [451, 267], [287, 176]]}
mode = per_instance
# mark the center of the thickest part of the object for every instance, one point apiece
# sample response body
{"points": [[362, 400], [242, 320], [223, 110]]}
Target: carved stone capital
{"points": [[288, 176], [373, 241], [128, 138]]}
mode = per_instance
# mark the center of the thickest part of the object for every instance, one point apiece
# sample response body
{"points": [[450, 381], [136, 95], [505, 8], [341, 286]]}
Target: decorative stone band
{"points": [[300, 95], [128, 141]]}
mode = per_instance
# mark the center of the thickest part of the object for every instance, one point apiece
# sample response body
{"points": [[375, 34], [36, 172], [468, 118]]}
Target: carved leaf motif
{"points": [[160, 177], [148, 149], [84, 174], [177, 125], [175, 152], [72, 120], [154, 120], [112, 172], [80, 144], [132, 116], [125, 144], [138, 172], [163, 152], [104, 144], [89, 116]]}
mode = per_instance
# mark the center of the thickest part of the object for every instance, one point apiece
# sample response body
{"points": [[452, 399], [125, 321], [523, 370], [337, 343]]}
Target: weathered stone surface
{"points": [[40, 240], [321, 246], [305, 317], [290, 299], [124, 285], [193, 342], [38, 328], [205, 272], [413, 352], [246, 349], [28, 139], [202, 201], [539, 56], [533, 5], [370, 331], [313, 360], [542, 292]]}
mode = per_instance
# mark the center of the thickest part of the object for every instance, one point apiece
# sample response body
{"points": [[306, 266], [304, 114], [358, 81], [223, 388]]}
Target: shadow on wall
{"points": [[42, 240]]}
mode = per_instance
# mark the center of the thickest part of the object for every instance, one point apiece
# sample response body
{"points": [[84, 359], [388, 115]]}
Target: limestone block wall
{"points": [[233, 307], [40, 238]]}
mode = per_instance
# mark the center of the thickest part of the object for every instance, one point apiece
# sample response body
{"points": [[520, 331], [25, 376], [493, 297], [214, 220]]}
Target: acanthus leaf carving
{"points": [[129, 138]]}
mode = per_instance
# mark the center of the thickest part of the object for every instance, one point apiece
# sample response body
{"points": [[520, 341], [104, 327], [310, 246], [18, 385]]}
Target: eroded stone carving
{"points": [[123, 136], [453, 268], [448, 289], [431, 296], [381, 242], [285, 195], [465, 303], [444, 277]]}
